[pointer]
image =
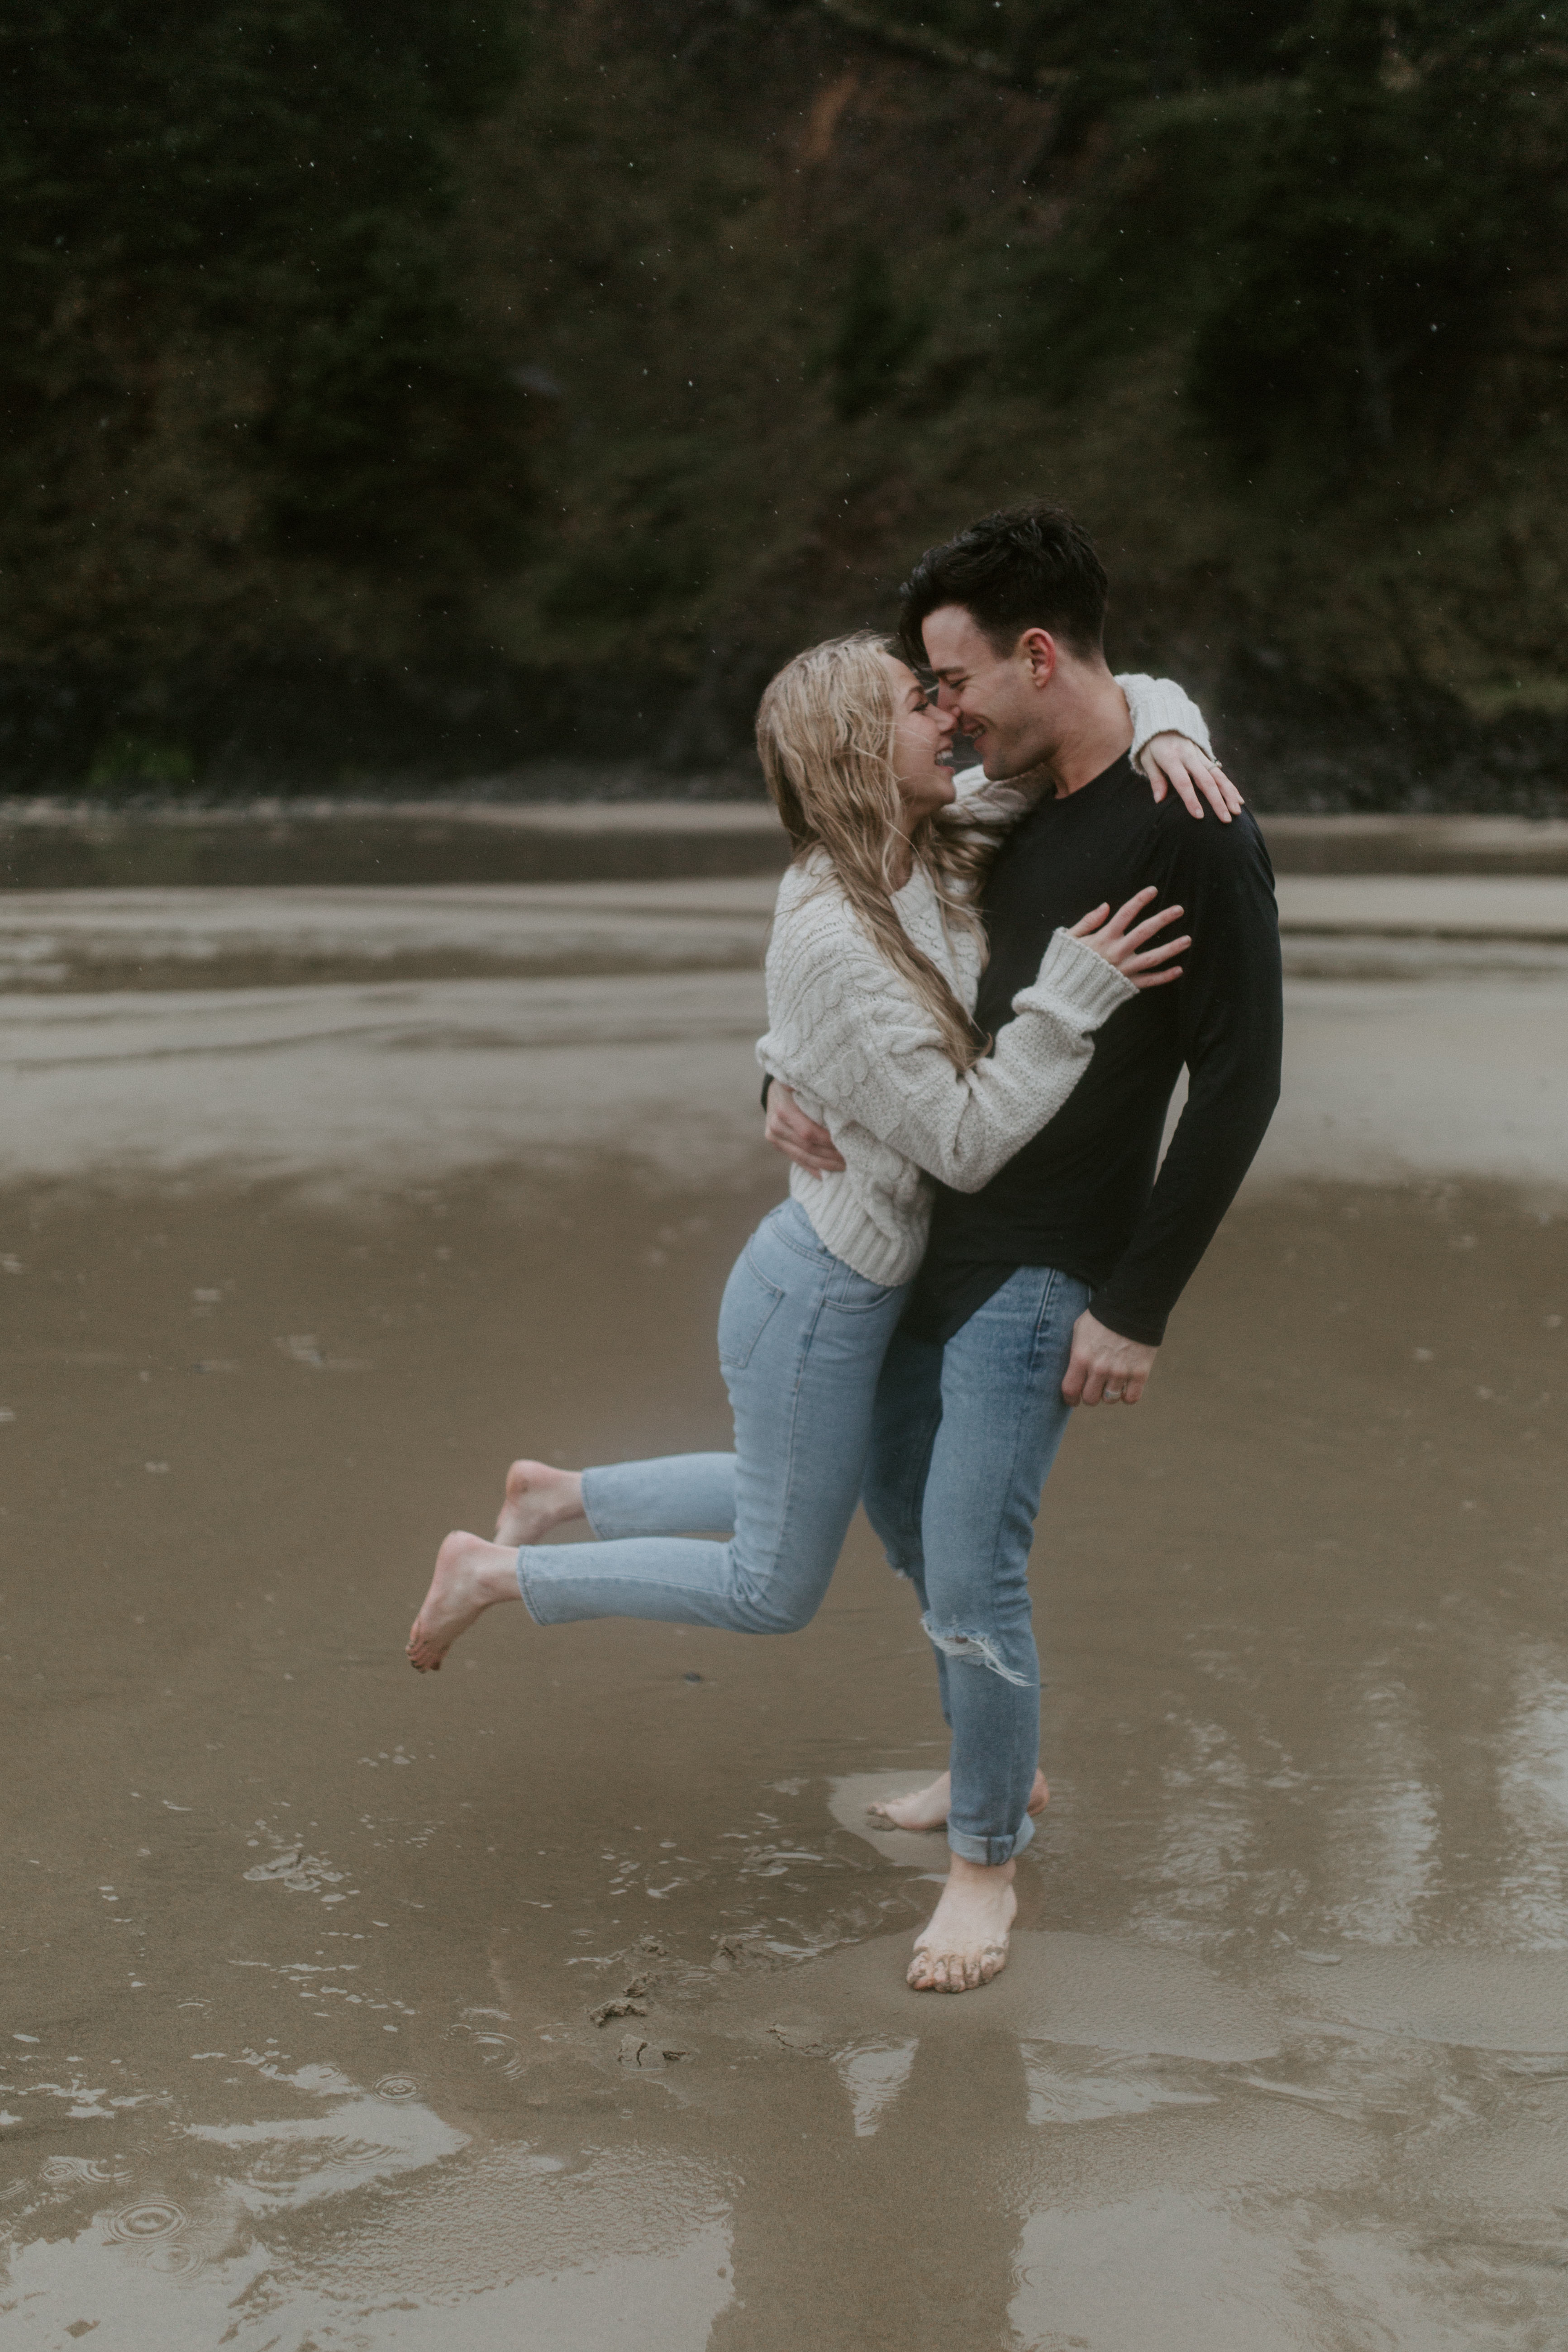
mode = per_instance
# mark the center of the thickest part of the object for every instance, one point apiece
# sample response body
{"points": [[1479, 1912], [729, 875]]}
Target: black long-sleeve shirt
{"points": [[1083, 1194]]}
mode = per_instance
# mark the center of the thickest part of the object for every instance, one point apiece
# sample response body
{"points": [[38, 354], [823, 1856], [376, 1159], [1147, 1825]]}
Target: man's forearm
{"points": [[1230, 1028], [1214, 1144]]}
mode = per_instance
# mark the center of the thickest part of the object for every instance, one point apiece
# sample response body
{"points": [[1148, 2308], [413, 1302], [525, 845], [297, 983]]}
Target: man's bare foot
{"points": [[928, 1807], [537, 1499], [470, 1577], [965, 1944]]}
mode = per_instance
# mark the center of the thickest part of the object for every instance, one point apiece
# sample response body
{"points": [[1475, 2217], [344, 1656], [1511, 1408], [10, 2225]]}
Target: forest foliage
{"points": [[454, 381]]}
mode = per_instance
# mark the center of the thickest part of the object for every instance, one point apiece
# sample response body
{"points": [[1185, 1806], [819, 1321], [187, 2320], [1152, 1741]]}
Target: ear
{"points": [[1038, 648]]}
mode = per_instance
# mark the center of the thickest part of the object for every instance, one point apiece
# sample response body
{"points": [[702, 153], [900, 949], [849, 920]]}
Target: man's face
{"points": [[1000, 701]]}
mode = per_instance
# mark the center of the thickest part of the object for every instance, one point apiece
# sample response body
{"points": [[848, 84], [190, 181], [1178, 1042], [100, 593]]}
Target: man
{"points": [[1051, 1286]]}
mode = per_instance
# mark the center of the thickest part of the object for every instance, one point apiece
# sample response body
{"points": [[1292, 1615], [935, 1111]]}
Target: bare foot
{"points": [[965, 1944], [470, 1577], [537, 1499], [928, 1807]]}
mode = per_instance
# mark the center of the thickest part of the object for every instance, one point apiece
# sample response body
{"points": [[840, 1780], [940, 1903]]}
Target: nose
{"points": [[947, 699]]}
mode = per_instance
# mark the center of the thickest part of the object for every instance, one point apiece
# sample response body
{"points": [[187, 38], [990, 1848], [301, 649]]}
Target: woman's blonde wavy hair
{"points": [[825, 735]]}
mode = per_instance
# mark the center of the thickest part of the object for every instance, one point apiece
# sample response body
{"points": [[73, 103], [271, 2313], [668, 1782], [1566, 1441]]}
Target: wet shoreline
{"points": [[559, 1997], [59, 846]]}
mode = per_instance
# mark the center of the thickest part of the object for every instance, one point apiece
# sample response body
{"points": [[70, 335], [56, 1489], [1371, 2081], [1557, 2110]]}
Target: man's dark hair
{"points": [[1027, 568]]}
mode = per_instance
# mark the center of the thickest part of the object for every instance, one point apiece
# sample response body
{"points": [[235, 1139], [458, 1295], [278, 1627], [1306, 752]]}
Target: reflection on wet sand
{"points": [[560, 2002], [1386, 1835], [479, 2249]]}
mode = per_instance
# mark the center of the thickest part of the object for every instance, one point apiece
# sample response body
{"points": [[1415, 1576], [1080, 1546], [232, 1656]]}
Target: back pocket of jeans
{"points": [[859, 1294], [749, 1302]]}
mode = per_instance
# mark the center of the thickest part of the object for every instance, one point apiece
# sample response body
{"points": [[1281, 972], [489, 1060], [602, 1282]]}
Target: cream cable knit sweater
{"points": [[862, 1054]]}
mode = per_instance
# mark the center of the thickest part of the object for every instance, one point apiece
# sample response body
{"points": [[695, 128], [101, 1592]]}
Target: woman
{"points": [[872, 970]]}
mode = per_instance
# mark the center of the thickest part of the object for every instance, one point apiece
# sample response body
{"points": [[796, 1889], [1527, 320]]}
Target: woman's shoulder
{"points": [[820, 946], [811, 898], [805, 875]]}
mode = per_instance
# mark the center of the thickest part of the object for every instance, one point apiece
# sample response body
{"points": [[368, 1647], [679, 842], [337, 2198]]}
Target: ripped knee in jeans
{"points": [[972, 1649]]}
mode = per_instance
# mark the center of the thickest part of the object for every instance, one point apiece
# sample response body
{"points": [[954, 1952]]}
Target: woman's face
{"points": [[923, 744]]}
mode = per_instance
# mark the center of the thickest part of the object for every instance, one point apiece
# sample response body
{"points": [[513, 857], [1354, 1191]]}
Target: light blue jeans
{"points": [[964, 1437], [801, 1342]]}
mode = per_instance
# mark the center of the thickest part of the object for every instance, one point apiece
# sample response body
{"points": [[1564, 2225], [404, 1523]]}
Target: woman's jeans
{"points": [[801, 1341], [964, 1437]]}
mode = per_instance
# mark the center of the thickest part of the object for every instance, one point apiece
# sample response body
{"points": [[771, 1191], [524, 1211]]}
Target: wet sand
{"points": [[560, 1996]]}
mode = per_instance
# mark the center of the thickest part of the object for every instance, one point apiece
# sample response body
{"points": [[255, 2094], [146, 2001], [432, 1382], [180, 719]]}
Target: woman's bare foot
{"points": [[470, 1577], [928, 1807], [965, 1943], [537, 1499]]}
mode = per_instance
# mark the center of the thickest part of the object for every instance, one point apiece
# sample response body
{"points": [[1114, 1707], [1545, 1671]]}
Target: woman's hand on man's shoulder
{"points": [[1175, 764]]}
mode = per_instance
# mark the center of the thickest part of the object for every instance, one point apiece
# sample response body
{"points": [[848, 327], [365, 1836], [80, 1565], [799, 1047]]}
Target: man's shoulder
{"points": [[1204, 848]]}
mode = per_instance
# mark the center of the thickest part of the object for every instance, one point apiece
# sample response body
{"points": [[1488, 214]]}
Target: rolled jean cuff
{"points": [[529, 1602], [600, 1534], [990, 1853]]}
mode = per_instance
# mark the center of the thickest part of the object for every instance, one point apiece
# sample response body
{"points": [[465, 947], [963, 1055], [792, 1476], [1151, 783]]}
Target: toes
{"points": [[962, 1971], [417, 1652]]}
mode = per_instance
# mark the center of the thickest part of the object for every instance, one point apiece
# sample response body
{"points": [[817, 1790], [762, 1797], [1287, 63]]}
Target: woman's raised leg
{"points": [[801, 1342]]}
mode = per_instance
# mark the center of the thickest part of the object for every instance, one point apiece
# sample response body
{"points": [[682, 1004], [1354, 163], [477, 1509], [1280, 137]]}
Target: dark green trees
{"points": [[1340, 246], [233, 338]]}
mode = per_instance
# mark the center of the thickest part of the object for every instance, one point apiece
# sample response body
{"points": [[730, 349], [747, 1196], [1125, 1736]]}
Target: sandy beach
{"points": [[560, 1996]]}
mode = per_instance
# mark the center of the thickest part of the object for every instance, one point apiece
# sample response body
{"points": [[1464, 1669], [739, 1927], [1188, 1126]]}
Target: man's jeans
{"points": [[801, 1341], [963, 1439]]}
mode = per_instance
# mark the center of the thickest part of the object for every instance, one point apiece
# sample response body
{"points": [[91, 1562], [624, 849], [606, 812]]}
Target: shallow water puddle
{"points": [[560, 1999]]}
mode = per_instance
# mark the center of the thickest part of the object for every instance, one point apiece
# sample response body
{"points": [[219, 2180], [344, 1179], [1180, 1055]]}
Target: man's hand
{"points": [[1172, 764], [1104, 1364], [798, 1138]]}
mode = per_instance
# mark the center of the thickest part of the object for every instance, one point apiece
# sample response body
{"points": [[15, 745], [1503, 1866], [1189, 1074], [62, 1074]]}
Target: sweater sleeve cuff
{"points": [[1073, 974], [1160, 707]]}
